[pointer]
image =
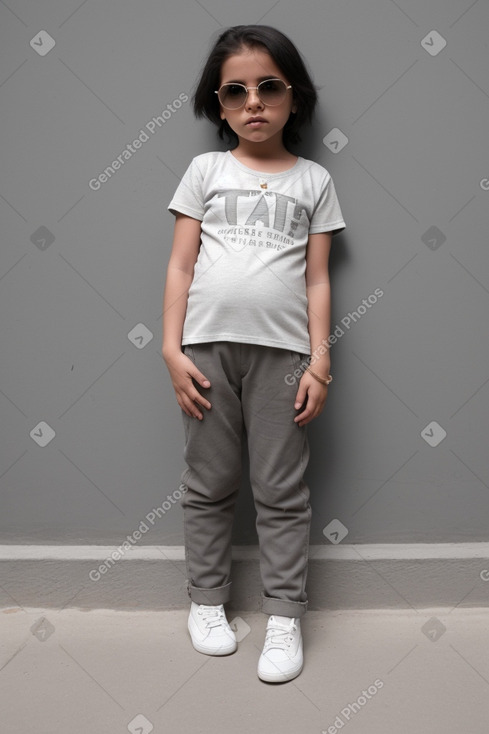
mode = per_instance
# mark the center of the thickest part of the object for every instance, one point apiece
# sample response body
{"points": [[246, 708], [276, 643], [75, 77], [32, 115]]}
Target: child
{"points": [[247, 299]]}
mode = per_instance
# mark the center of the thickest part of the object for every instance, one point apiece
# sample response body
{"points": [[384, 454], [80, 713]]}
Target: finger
{"points": [[300, 397], [191, 408], [313, 409], [199, 377], [196, 397], [186, 410], [304, 417], [188, 391], [188, 400]]}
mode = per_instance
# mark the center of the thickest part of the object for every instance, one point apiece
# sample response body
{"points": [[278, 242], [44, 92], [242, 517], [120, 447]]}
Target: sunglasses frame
{"points": [[257, 89]]}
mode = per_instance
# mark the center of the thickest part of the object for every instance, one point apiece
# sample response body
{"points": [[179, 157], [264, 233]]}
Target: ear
{"points": [[294, 108]]}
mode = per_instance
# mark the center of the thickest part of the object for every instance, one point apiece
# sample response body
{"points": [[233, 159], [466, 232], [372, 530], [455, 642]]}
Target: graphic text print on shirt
{"points": [[273, 210]]}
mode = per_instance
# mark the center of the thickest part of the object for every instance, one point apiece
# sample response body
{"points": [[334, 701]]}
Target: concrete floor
{"points": [[366, 672]]}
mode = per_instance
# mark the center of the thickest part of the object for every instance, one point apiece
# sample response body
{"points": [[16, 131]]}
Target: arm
{"points": [[319, 314], [180, 273]]}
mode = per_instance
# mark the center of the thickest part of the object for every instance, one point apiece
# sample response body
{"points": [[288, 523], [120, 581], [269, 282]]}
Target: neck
{"points": [[271, 149]]}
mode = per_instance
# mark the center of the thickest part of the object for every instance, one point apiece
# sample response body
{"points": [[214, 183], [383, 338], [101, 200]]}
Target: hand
{"points": [[182, 370], [315, 393]]}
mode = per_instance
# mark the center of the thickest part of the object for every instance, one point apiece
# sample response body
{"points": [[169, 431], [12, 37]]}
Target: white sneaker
{"points": [[282, 657], [210, 631]]}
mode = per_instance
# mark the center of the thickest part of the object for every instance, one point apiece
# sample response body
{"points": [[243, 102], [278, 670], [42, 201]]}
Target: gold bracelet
{"points": [[323, 381]]}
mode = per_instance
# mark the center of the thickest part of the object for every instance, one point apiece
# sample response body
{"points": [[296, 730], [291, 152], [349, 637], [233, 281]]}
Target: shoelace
{"points": [[212, 616], [279, 636]]}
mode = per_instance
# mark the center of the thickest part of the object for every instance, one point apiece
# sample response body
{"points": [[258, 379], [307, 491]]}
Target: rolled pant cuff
{"points": [[211, 597], [283, 607]]}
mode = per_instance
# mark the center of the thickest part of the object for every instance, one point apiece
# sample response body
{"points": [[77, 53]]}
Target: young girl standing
{"points": [[247, 300]]}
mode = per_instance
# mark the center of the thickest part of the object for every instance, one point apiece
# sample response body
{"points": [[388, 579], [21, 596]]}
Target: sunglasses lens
{"points": [[232, 96], [272, 91]]}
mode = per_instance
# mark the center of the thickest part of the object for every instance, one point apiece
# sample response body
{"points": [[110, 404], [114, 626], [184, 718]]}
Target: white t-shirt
{"points": [[249, 279]]}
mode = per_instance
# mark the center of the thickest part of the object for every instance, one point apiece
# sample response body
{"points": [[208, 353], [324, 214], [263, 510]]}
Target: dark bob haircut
{"points": [[284, 54]]}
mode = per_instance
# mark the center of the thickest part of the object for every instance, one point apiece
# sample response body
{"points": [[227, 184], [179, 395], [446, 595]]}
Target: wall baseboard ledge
{"points": [[343, 576]]}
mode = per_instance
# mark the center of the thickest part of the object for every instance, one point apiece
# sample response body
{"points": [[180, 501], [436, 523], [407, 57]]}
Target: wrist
{"points": [[323, 380], [170, 351], [321, 366]]}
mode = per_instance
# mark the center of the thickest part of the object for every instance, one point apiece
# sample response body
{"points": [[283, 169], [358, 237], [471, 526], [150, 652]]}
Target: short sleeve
{"points": [[327, 215], [188, 198]]}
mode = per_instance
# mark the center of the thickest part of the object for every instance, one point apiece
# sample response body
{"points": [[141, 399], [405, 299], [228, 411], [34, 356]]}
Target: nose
{"points": [[253, 99]]}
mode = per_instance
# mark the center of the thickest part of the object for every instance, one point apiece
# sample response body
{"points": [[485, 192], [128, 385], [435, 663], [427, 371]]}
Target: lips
{"points": [[255, 121]]}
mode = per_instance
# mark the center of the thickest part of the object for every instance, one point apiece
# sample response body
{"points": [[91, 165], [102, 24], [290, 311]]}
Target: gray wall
{"points": [[82, 268]]}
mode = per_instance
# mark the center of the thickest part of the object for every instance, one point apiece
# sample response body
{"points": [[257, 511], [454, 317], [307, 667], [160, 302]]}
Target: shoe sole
{"points": [[221, 652], [279, 678]]}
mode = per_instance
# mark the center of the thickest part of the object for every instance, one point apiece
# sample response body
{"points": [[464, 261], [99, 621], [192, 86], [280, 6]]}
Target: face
{"points": [[249, 67]]}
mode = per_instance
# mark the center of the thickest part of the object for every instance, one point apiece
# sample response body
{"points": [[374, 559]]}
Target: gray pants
{"points": [[248, 392]]}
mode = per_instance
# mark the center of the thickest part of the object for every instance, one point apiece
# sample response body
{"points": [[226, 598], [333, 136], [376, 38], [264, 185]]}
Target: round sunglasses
{"points": [[271, 92]]}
